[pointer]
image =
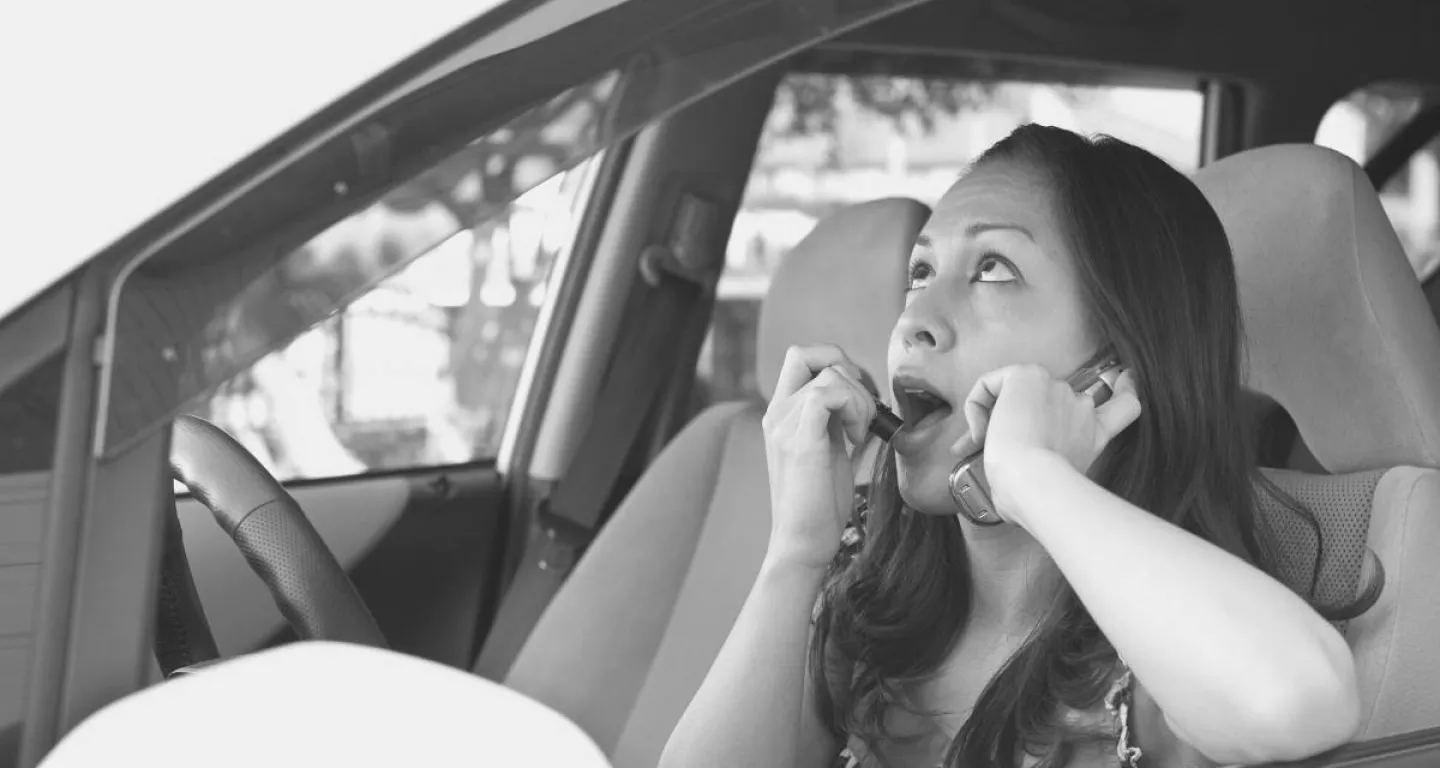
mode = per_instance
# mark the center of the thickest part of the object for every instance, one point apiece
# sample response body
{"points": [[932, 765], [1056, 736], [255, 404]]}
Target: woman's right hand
{"points": [[818, 401]]}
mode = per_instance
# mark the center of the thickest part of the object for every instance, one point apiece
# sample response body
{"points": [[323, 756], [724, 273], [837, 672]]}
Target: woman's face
{"points": [[992, 283]]}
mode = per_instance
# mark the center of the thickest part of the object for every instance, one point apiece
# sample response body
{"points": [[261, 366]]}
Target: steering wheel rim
{"points": [[307, 583]]}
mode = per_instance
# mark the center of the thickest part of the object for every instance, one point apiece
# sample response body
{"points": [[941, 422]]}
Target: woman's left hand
{"points": [[1019, 412]]}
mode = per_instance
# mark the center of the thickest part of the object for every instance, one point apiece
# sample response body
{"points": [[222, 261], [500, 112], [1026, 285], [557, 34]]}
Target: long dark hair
{"points": [[1159, 278]]}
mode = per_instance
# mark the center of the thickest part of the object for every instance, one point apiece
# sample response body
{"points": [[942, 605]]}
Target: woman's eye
{"points": [[919, 273], [994, 268]]}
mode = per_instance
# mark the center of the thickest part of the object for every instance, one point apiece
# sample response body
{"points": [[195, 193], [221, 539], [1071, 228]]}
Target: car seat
{"points": [[1340, 336], [629, 637]]}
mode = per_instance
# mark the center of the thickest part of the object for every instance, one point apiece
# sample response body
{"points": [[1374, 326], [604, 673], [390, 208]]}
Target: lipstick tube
{"points": [[886, 423]]}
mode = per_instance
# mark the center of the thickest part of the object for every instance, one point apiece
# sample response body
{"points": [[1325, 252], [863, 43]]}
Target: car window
{"points": [[422, 369], [833, 140], [1363, 122], [234, 284]]}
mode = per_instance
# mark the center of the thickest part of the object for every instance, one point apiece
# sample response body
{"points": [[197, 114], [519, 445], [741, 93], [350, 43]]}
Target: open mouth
{"points": [[920, 405]]}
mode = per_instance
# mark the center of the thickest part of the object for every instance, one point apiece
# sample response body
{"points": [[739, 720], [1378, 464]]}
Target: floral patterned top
{"points": [[1113, 719], [1113, 752]]}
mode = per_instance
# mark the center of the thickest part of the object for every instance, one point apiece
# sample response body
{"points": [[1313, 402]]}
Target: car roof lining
{"points": [[855, 60], [1341, 44]]}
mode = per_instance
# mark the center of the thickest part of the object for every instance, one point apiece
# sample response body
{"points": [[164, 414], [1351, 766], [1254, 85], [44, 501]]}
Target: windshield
{"points": [[215, 300]]}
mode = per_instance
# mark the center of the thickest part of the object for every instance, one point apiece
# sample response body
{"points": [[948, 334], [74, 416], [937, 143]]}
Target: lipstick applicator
{"points": [[885, 423]]}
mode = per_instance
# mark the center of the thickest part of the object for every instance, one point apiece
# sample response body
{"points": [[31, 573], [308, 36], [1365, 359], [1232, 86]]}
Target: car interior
{"points": [[592, 550]]}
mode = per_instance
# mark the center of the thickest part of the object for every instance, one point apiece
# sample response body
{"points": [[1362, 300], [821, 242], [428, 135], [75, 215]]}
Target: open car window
{"points": [[423, 368], [320, 234]]}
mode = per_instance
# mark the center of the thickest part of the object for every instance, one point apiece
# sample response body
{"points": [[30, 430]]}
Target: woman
{"points": [[1122, 614]]}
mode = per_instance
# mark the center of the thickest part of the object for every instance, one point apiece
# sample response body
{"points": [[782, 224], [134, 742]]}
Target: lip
{"points": [[904, 381], [913, 440], [917, 435]]}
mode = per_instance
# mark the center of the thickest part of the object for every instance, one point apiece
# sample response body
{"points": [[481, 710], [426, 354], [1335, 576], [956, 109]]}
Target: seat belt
{"points": [[628, 397]]}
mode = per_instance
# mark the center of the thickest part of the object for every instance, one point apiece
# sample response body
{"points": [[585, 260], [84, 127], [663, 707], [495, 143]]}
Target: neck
{"points": [[1012, 579]]}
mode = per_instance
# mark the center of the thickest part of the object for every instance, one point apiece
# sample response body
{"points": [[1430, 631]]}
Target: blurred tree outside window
{"points": [[834, 140], [422, 369]]}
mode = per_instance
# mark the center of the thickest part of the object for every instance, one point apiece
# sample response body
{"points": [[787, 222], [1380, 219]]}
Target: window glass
{"points": [[1363, 122], [833, 140], [422, 369]]}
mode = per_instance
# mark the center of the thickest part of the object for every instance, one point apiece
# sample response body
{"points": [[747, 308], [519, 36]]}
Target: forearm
{"points": [[1240, 664], [748, 710]]}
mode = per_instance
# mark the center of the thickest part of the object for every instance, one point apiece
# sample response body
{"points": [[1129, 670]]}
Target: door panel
{"points": [[422, 549], [432, 581], [22, 519]]}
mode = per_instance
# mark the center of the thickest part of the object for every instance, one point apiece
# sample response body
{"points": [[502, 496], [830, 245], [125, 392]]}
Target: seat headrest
{"points": [[843, 284], [1339, 332]]}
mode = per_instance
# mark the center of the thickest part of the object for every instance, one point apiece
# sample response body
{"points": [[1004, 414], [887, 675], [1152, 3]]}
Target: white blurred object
{"points": [[1047, 108], [322, 703], [311, 448], [1343, 130]]}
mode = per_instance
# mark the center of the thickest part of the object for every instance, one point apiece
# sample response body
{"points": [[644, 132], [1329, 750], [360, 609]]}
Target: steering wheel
{"points": [[306, 581]]}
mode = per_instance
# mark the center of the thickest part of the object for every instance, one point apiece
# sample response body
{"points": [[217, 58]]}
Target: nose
{"points": [[923, 328]]}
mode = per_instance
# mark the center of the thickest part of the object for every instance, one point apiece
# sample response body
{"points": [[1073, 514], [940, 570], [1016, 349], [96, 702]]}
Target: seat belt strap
{"points": [[631, 389]]}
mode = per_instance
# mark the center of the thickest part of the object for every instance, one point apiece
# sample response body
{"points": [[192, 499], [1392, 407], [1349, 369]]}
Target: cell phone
{"points": [[968, 485]]}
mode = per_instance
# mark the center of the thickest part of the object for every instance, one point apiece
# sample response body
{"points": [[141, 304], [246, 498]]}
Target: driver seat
{"points": [[627, 640]]}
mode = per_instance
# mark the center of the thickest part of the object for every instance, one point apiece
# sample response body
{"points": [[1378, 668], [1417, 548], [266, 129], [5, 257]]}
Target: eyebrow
{"points": [[975, 230]]}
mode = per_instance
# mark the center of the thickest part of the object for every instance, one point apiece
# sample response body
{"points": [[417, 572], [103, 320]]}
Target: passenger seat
{"points": [[1340, 336]]}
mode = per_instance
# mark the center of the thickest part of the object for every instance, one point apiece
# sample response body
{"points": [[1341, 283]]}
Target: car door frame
{"points": [[99, 569]]}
